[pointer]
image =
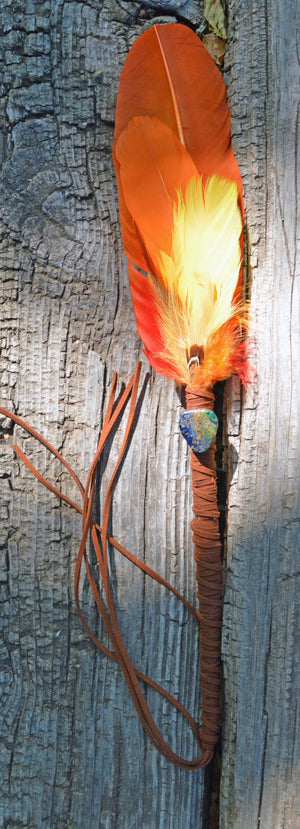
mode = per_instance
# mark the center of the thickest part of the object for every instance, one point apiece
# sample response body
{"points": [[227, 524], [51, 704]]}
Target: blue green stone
{"points": [[199, 428]]}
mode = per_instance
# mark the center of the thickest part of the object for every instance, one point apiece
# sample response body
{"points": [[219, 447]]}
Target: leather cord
{"points": [[206, 555]]}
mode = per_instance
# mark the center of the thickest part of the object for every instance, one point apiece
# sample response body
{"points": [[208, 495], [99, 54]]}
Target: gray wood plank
{"points": [[261, 747], [73, 753]]}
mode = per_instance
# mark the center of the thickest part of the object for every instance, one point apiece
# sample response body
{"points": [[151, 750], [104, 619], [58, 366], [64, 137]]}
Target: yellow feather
{"points": [[196, 284]]}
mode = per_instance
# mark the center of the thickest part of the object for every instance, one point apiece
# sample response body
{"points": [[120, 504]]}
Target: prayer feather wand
{"points": [[181, 213]]}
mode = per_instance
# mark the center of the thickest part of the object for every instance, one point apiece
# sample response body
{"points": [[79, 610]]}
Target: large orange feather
{"points": [[169, 75], [179, 187]]}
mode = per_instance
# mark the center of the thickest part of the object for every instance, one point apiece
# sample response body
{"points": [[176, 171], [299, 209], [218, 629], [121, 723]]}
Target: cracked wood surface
{"points": [[261, 739], [72, 751]]}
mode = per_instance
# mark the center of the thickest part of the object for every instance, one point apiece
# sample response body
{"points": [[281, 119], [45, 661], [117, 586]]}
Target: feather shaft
{"points": [[172, 89]]}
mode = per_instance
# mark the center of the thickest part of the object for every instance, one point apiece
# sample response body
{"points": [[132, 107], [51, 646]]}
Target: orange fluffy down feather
{"points": [[181, 208]]}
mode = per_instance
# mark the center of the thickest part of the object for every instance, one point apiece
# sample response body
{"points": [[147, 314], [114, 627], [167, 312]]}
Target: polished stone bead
{"points": [[199, 428]]}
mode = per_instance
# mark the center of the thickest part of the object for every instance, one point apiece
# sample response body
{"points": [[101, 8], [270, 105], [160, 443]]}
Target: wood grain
{"points": [[261, 748], [73, 752]]}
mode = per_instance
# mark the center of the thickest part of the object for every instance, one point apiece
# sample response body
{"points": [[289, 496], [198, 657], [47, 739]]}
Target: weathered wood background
{"points": [[72, 751]]}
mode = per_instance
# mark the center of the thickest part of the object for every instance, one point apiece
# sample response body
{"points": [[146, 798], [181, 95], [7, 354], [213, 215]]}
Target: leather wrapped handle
{"points": [[207, 554]]}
